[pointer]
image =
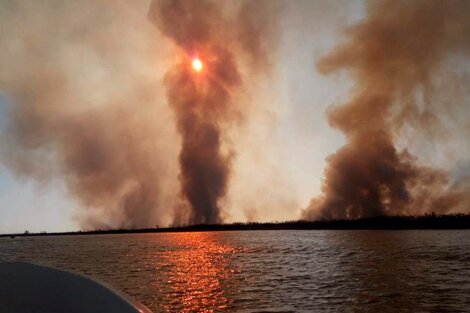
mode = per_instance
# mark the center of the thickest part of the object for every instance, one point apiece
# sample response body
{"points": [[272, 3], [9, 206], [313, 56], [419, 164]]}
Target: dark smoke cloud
{"points": [[393, 55], [203, 102]]}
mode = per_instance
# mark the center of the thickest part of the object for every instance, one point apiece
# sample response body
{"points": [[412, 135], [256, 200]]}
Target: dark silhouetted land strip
{"points": [[431, 221]]}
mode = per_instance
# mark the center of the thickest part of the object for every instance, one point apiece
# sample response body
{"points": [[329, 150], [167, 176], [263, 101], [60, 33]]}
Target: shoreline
{"points": [[431, 221]]}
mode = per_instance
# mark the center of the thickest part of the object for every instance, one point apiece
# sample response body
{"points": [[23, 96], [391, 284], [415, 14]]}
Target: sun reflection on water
{"points": [[200, 277]]}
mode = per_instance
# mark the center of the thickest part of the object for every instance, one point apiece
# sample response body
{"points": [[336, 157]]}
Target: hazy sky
{"points": [[299, 134], [297, 137]]}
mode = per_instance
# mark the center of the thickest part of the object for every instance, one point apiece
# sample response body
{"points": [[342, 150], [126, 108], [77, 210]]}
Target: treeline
{"points": [[429, 221]]}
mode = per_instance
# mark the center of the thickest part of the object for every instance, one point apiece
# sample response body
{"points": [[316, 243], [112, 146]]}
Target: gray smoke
{"points": [[204, 102], [86, 107], [392, 55]]}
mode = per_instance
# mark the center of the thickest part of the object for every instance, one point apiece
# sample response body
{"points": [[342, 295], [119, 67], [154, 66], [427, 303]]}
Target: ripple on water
{"points": [[270, 271]]}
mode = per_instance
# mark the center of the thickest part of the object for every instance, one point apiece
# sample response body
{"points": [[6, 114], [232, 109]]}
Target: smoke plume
{"points": [[203, 102], [85, 84], [394, 57], [85, 108]]}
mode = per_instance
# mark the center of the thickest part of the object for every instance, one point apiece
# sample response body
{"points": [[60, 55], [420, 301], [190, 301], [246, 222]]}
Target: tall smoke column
{"points": [[202, 96], [392, 56]]}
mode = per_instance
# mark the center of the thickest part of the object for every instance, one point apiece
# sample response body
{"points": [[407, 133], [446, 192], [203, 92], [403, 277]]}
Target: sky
{"points": [[300, 133], [99, 69]]}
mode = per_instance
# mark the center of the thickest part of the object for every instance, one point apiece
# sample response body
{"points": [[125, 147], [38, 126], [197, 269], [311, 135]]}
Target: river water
{"points": [[270, 271]]}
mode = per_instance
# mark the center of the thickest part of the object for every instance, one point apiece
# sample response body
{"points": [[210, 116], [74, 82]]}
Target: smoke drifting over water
{"points": [[394, 56], [203, 100]]}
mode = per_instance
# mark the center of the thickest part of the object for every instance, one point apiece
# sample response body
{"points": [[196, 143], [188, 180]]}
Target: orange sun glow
{"points": [[197, 64]]}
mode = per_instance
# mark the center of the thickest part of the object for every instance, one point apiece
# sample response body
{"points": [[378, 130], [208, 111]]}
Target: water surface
{"points": [[270, 271]]}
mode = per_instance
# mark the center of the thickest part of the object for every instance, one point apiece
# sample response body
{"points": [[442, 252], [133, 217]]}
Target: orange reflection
{"points": [[199, 278]]}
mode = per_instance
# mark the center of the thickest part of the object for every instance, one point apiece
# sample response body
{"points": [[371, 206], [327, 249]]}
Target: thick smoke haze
{"points": [[203, 101], [86, 108], [99, 99], [93, 105], [396, 58]]}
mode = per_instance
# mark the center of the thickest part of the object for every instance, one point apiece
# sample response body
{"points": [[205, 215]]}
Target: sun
{"points": [[197, 64]]}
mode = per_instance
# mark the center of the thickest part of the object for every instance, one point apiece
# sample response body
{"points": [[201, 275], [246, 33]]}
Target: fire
{"points": [[197, 65]]}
